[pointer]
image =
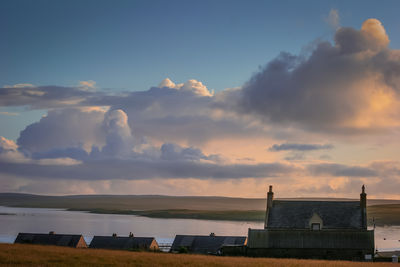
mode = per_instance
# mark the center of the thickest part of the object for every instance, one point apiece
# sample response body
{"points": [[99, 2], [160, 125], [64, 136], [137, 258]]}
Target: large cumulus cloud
{"points": [[349, 86], [187, 112], [101, 145], [63, 128]]}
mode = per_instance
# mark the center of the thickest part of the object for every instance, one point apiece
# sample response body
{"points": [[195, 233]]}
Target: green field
{"points": [[35, 255], [385, 212]]}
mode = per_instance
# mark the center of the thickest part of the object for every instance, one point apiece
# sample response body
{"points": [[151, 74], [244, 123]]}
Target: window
{"points": [[315, 226]]}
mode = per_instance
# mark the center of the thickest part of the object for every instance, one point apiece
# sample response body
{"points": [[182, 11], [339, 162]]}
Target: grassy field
{"points": [[34, 255], [385, 212]]}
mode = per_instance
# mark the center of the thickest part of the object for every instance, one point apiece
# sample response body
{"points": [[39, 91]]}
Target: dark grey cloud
{"points": [[45, 97], [299, 147], [175, 152], [332, 169], [331, 89], [144, 169], [76, 153], [295, 156]]}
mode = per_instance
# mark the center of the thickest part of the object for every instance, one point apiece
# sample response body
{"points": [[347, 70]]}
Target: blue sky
{"points": [[132, 45], [85, 120]]}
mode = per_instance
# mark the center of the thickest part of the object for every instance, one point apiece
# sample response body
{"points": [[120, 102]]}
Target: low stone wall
{"points": [[328, 254], [309, 253], [306, 244], [308, 239]]}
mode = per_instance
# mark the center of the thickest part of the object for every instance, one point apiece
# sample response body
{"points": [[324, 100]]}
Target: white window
{"points": [[315, 226]]}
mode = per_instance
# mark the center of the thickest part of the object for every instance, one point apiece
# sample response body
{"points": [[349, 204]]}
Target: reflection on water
{"points": [[164, 230]]}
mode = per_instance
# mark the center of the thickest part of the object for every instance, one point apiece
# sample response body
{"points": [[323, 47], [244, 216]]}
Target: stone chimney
{"points": [[363, 205], [270, 199]]}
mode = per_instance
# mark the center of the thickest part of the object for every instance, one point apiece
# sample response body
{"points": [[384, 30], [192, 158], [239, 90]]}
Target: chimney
{"points": [[270, 199], [114, 234], [52, 233], [363, 206], [130, 234]]}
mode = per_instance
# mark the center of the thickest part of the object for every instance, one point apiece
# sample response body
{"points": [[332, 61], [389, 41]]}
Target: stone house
{"points": [[313, 229]]}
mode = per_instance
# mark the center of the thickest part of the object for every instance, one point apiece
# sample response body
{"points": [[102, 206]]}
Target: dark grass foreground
{"points": [[35, 255]]}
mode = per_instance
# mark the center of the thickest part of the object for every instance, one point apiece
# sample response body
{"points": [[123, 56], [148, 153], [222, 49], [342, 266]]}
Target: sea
{"points": [[40, 220]]}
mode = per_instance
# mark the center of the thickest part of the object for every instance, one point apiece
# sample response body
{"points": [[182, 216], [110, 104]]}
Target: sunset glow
{"points": [[210, 100]]}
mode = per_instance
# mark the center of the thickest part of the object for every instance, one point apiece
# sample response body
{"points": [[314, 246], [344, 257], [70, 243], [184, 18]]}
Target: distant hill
{"points": [[131, 202], [149, 202], [189, 207]]}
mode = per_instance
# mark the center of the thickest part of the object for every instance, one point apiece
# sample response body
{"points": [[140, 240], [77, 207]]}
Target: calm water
{"points": [[164, 230]]}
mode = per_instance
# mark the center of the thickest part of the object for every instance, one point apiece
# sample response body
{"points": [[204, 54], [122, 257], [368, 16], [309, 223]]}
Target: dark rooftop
{"points": [[121, 242], [50, 239], [296, 214], [206, 244]]}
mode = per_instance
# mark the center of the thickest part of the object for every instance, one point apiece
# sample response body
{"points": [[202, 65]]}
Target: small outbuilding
{"points": [[75, 241], [203, 244], [124, 242]]}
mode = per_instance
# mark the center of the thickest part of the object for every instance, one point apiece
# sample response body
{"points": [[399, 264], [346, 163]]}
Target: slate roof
{"points": [[206, 244], [297, 214], [49, 239], [122, 242]]}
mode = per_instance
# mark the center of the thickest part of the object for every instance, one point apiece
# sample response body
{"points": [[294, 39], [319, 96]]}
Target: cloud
{"points": [[44, 97], [299, 147], [194, 86], [6, 113], [341, 170], [119, 139], [94, 144], [295, 156], [172, 161], [184, 136], [64, 128], [142, 169], [9, 151], [186, 112], [181, 115], [19, 85], [87, 85], [333, 18], [176, 152], [7, 145], [350, 87], [9, 155]]}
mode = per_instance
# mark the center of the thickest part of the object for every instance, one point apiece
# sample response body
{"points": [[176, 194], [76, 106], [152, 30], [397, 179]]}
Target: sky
{"points": [[214, 98]]}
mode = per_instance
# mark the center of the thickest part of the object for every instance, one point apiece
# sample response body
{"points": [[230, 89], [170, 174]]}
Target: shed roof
{"points": [[121, 242], [206, 244], [49, 239], [297, 214]]}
